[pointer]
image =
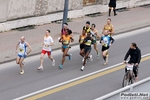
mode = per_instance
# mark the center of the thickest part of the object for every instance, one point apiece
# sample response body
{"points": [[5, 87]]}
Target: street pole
{"points": [[65, 13]]}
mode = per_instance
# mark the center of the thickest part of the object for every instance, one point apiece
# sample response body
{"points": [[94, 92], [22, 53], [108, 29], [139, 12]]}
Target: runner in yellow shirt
{"points": [[65, 39]]}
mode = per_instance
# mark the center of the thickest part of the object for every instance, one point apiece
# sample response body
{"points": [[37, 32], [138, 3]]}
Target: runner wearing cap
{"points": [[87, 27]]}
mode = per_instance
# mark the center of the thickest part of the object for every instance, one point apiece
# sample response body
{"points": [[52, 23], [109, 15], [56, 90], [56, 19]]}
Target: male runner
{"points": [[48, 42], [22, 46]]}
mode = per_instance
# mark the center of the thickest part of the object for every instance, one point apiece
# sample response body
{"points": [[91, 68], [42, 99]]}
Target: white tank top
{"points": [[22, 48], [47, 41]]}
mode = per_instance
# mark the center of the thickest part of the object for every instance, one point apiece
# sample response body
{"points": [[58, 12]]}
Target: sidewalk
{"points": [[126, 20]]}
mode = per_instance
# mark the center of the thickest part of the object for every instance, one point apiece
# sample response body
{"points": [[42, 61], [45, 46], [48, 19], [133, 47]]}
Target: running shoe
{"points": [[40, 68], [22, 72], [53, 63], [98, 55], [91, 58], [82, 68], [70, 57], [60, 66]]}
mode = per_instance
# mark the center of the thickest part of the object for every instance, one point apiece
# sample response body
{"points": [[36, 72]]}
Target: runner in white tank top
{"points": [[22, 53], [48, 42]]}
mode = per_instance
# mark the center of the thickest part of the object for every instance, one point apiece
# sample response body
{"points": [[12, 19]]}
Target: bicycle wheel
{"points": [[126, 79], [132, 78]]}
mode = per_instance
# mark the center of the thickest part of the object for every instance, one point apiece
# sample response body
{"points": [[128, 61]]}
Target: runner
{"points": [[106, 41], [81, 38], [63, 31], [22, 46], [48, 42], [87, 27], [65, 39], [87, 49], [109, 27], [65, 27], [95, 35]]}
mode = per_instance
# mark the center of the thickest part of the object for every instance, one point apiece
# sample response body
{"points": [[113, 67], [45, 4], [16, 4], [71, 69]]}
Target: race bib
{"points": [[105, 42], [21, 50], [66, 42]]}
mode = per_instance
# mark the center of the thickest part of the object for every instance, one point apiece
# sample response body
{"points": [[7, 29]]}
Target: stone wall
{"points": [[19, 13]]}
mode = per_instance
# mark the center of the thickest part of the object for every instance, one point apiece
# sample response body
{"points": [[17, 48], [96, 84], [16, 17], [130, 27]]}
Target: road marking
{"points": [[76, 81]]}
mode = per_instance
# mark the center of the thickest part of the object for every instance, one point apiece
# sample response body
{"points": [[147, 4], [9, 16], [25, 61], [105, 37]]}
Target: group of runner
{"points": [[88, 38]]}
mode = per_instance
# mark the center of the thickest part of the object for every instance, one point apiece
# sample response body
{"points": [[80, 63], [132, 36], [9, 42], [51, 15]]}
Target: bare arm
{"points": [[17, 46], [30, 49], [71, 39], [79, 38], [61, 39], [112, 32]]}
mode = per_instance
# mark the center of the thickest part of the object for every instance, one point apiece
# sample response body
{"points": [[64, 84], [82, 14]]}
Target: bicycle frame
{"points": [[129, 75]]}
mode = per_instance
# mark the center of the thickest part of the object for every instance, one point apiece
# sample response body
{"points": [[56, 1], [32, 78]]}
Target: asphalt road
{"points": [[14, 85]]}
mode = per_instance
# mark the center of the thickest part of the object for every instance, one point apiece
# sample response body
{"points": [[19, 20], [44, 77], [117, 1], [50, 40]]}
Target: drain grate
{"points": [[122, 9], [60, 21], [94, 14], [30, 27], [146, 6]]}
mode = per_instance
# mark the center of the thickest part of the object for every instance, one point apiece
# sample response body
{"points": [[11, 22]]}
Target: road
{"points": [[13, 85]]}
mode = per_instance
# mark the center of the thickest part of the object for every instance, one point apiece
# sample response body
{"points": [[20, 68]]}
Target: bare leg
{"points": [[17, 60], [65, 54], [41, 59]]}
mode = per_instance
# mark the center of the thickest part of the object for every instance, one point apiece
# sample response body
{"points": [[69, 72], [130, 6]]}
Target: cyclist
{"points": [[87, 49], [135, 57], [95, 35], [65, 39], [106, 41]]}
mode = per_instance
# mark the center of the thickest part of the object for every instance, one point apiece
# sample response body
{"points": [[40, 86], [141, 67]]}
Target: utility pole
{"points": [[65, 13]]}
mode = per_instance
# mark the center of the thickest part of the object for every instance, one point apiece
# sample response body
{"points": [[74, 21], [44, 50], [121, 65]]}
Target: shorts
{"points": [[48, 52], [105, 48], [135, 70], [81, 46], [21, 56], [87, 49], [65, 46], [94, 42]]}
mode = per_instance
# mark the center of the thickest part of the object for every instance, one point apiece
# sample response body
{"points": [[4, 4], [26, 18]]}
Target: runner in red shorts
{"points": [[48, 42]]}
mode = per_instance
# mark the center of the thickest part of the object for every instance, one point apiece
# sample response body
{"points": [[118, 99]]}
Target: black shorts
{"points": [[81, 46], [87, 49], [104, 48], [135, 70]]}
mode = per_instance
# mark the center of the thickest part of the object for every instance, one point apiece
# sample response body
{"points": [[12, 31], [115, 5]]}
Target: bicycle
{"points": [[129, 76]]}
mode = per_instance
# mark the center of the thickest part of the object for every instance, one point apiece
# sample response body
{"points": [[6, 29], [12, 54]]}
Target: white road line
{"points": [[72, 80]]}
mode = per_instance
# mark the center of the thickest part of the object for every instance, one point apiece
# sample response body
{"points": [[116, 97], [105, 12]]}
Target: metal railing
{"points": [[136, 87]]}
